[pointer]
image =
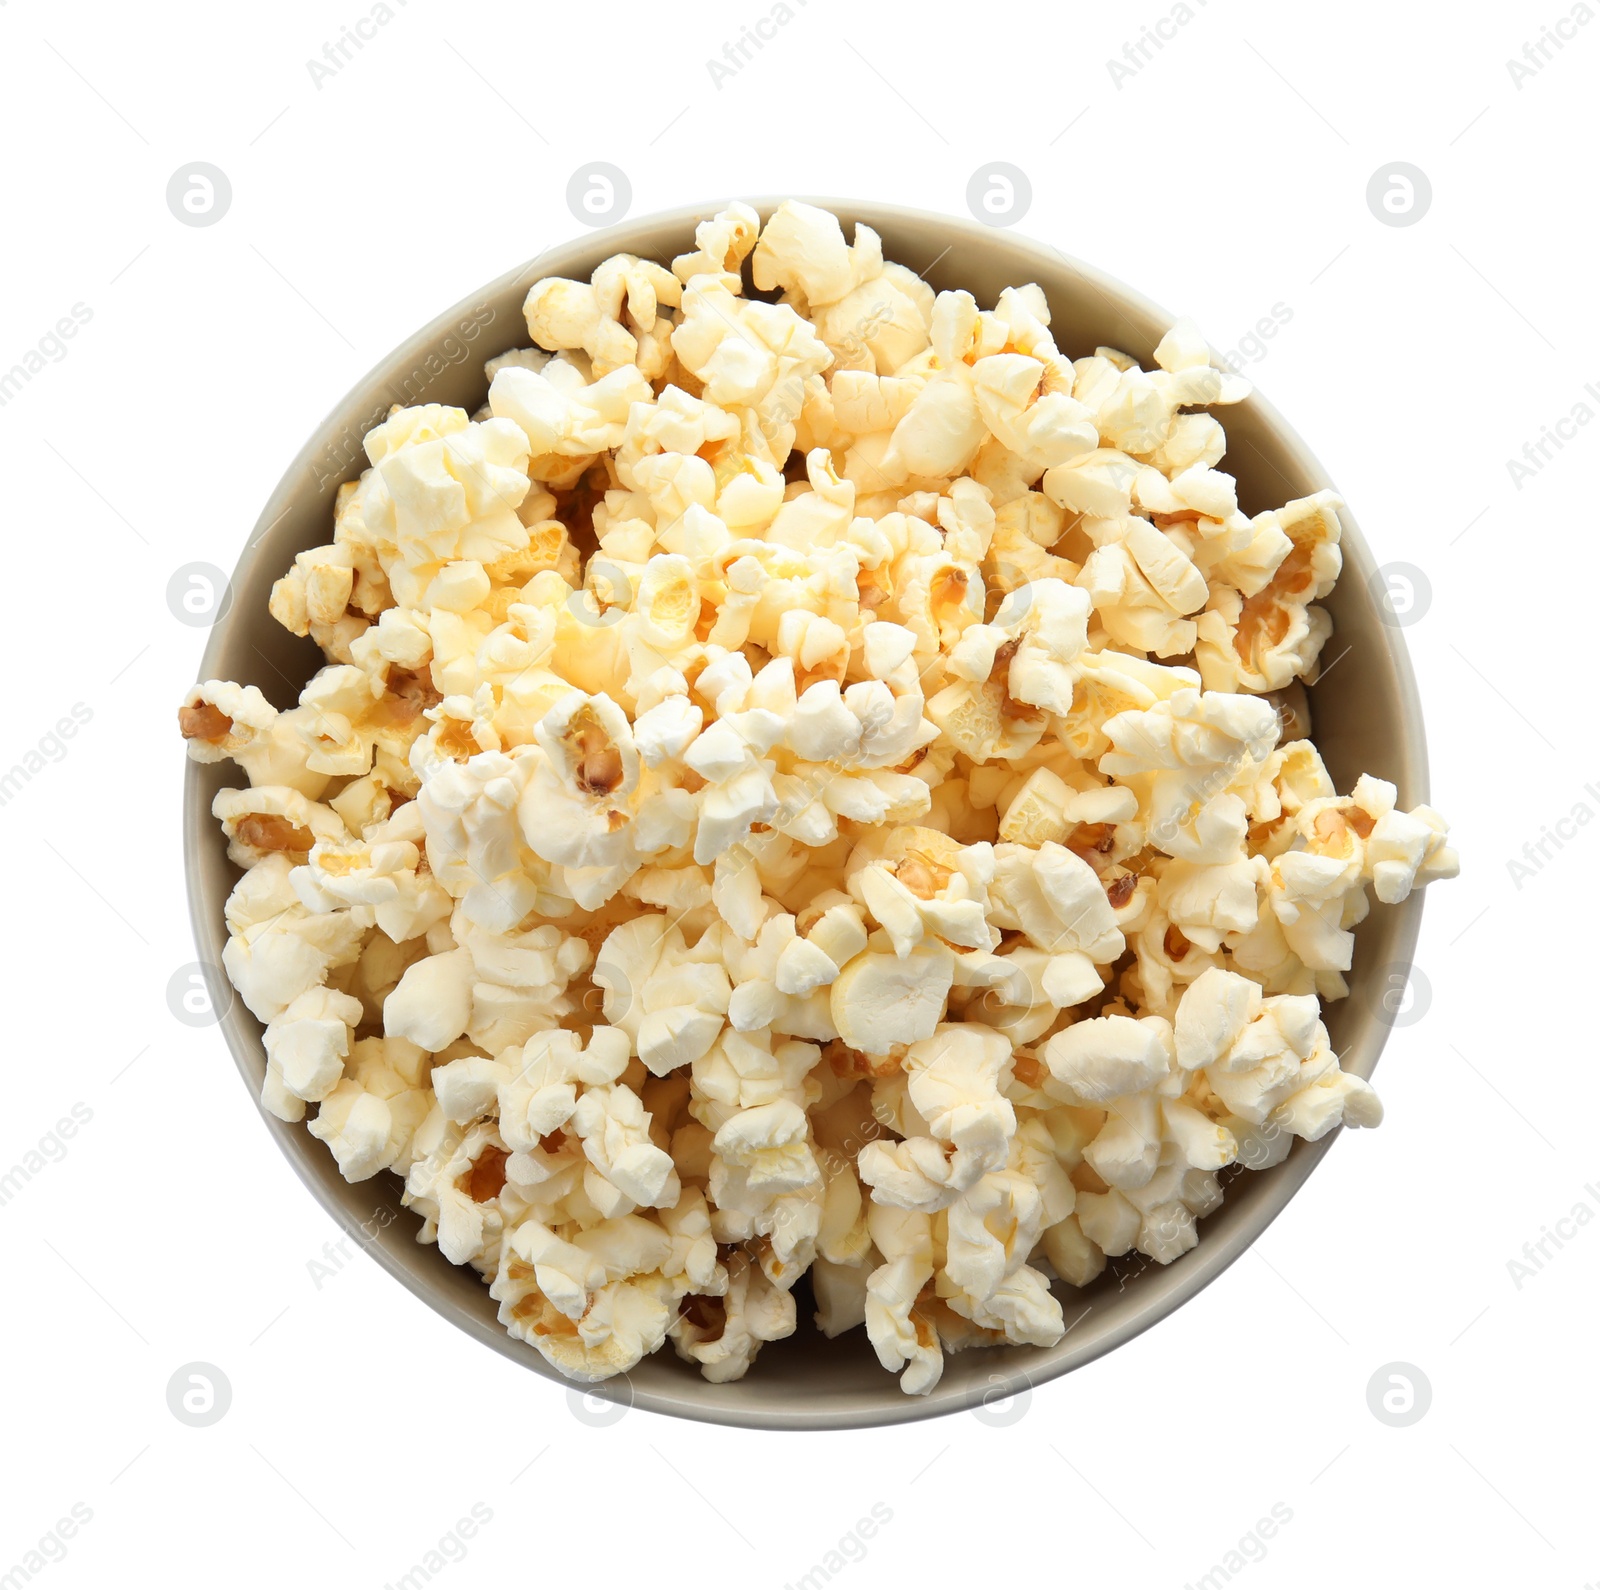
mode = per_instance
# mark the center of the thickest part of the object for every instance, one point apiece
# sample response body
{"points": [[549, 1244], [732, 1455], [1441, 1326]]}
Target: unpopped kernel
{"points": [[808, 779]]}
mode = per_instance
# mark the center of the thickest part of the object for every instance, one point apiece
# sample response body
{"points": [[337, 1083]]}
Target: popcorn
{"points": [[589, 315], [380, 871], [432, 1004], [307, 1042], [1268, 1059], [574, 809], [990, 1232], [615, 1130], [594, 1305], [272, 820], [806, 787], [667, 998], [277, 949], [881, 999], [561, 415], [923, 885], [898, 1323], [521, 981], [802, 251], [954, 1084], [1263, 640], [723, 1334], [221, 720], [474, 842], [1108, 1057], [1181, 755]]}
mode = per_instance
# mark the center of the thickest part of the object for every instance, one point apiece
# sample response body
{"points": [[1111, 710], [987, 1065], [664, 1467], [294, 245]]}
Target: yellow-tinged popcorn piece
{"points": [[817, 786]]}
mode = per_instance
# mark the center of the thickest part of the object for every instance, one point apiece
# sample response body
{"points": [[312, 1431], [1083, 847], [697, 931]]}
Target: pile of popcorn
{"points": [[810, 784]]}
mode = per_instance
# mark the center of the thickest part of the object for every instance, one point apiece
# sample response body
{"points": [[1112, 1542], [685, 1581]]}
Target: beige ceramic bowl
{"points": [[1367, 718]]}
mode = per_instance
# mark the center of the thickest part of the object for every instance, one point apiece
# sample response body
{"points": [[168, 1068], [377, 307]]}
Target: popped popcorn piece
{"points": [[432, 1004], [221, 720], [277, 949], [1108, 1057], [954, 1084], [880, 999], [898, 1322], [669, 999], [594, 1304], [1264, 640], [307, 1042], [596, 315], [273, 820], [1268, 1059], [723, 1334]]}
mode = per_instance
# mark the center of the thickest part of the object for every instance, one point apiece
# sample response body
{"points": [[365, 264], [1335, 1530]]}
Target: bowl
{"points": [[1366, 718]]}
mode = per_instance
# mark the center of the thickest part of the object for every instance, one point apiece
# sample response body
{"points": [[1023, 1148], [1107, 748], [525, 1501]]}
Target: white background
{"points": [[1224, 177]]}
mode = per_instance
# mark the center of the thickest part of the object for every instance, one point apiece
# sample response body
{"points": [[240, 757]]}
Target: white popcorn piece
{"points": [[565, 314], [537, 1088], [841, 1293], [474, 843], [991, 1229], [669, 1001], [1264, 640], [520, 981], [954, 1084], [721, 244], [922, 885], [1405, 849], [433, 1002], [615, 1130], [899, 1327], [1072, 1255], [379, 871], [1214, 1010], [1109, 1057], [307, 1042], [273, 820], [1055, 897], [593, 1305], [879, 1000], [802, 250], [277, 949], [574, 811], [221, 720], [356, 1126], [1098, 483], [723, 1334], [1182, 348]]}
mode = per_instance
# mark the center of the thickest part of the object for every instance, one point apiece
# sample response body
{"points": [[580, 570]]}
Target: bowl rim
{"points": [[1215, 1253]]}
